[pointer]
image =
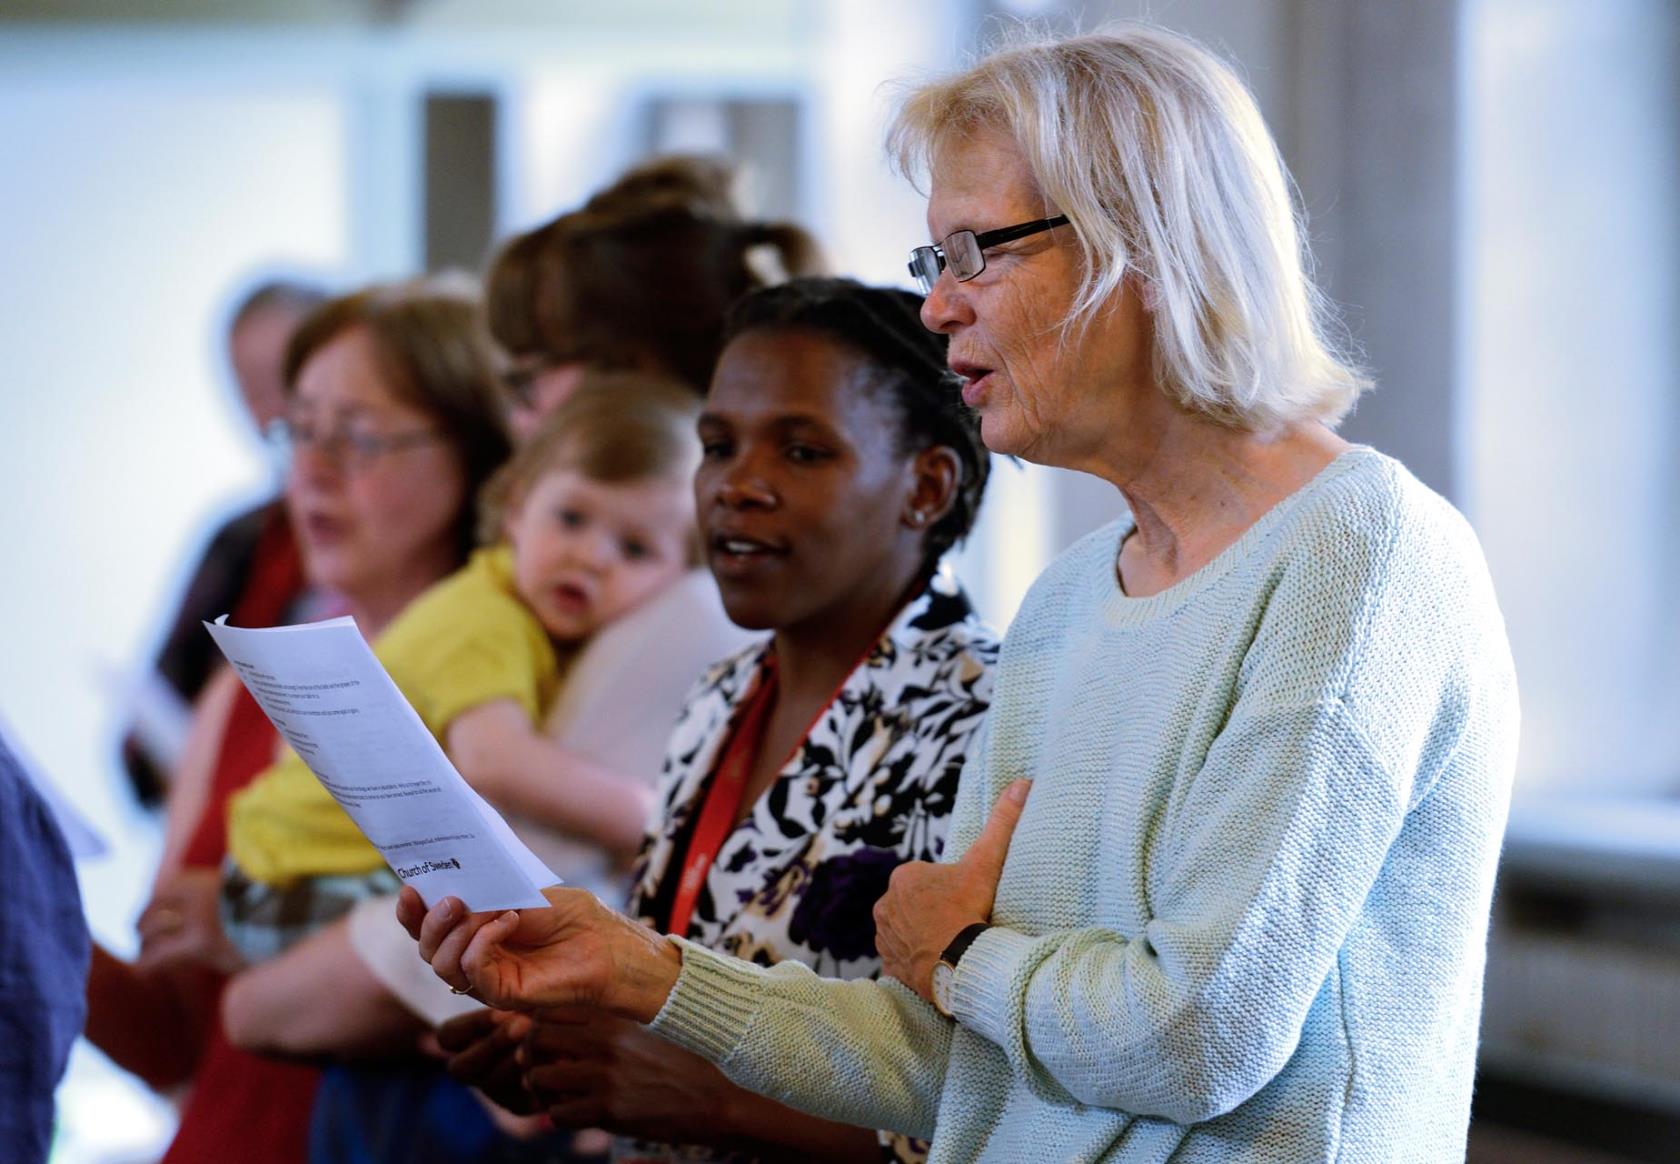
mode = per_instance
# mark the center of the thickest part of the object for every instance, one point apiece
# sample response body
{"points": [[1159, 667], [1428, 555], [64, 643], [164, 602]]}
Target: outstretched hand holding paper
{"points": [[336, 706]]}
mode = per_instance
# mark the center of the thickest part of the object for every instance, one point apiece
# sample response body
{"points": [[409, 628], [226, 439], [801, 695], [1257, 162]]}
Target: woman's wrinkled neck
{"points": [[1198, 485]]}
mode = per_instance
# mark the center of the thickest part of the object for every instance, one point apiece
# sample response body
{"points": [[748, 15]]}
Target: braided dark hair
{"points": [[884, 325]]}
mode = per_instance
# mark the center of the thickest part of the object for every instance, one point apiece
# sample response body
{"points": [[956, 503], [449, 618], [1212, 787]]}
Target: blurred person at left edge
{"points": [[43, 964]]}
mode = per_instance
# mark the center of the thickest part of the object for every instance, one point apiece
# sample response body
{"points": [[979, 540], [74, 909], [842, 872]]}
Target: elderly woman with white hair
{"points": [[1269, 716]]}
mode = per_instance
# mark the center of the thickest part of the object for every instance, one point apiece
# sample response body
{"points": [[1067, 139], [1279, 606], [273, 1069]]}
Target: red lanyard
{"points": [[723, 798], [722, 802]]}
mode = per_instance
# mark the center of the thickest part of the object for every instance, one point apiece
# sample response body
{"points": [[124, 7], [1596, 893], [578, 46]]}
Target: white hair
{"points": [[1158, 156]]}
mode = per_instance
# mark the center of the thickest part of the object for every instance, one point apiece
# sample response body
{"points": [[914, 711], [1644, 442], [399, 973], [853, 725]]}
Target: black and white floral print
{"points": [[870, 787]]}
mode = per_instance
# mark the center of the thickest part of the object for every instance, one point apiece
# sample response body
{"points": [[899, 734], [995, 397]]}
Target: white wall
{"points": [[133, 211], [1571, 248]]}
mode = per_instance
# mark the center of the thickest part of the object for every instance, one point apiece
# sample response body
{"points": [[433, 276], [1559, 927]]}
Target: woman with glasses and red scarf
{"points": [[393, 424]]}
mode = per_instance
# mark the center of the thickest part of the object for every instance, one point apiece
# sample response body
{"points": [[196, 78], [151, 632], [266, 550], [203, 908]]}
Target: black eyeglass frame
{"points": [[927, 263]]}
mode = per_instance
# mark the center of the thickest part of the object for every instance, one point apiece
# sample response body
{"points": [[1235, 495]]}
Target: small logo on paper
{"points": [[425, 867]]}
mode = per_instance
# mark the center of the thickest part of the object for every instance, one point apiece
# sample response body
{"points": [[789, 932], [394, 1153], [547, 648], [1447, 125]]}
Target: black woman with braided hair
{"points": [[838, 467]]}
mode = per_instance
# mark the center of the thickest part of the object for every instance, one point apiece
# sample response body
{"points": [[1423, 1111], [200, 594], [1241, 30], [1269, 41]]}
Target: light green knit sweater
{"points": [[1244, 912]]}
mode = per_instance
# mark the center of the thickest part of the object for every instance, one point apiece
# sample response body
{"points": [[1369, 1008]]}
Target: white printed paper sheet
{"points": [[332, 701]]}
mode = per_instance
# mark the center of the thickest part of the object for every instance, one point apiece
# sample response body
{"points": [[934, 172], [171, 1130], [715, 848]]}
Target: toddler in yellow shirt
{"points": [[593, 517]]}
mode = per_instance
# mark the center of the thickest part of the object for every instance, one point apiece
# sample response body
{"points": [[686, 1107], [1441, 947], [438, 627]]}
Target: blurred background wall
{"points": [[1493, 192]]}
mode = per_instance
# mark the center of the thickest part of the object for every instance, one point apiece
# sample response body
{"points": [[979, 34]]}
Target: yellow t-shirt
{"points": [[467, 641]]}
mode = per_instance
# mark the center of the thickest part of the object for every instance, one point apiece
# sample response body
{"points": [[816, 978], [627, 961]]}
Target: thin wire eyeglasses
{"points": [[964, 252], [348, 447]]}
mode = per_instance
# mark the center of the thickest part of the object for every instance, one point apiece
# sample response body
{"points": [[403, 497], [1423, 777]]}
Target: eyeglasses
{"points": [[352, 448], [964, 252]]}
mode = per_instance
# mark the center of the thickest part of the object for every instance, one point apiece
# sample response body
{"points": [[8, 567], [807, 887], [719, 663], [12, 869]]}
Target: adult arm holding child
{"points": [[508, 759], [350, 1014]]}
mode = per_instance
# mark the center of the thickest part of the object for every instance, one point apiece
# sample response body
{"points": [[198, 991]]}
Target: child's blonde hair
{"points": [[615, 428]]}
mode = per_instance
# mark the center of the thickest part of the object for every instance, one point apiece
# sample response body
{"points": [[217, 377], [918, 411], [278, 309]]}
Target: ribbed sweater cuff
{"points": [[984, 989], [710, 1006]]}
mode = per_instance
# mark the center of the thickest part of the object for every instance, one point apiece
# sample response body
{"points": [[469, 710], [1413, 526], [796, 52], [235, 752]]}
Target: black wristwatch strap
{"points": [[960, 944]]}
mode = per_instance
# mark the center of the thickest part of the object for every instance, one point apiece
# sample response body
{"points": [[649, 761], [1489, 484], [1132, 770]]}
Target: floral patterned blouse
{"points": [[870, 787]]}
